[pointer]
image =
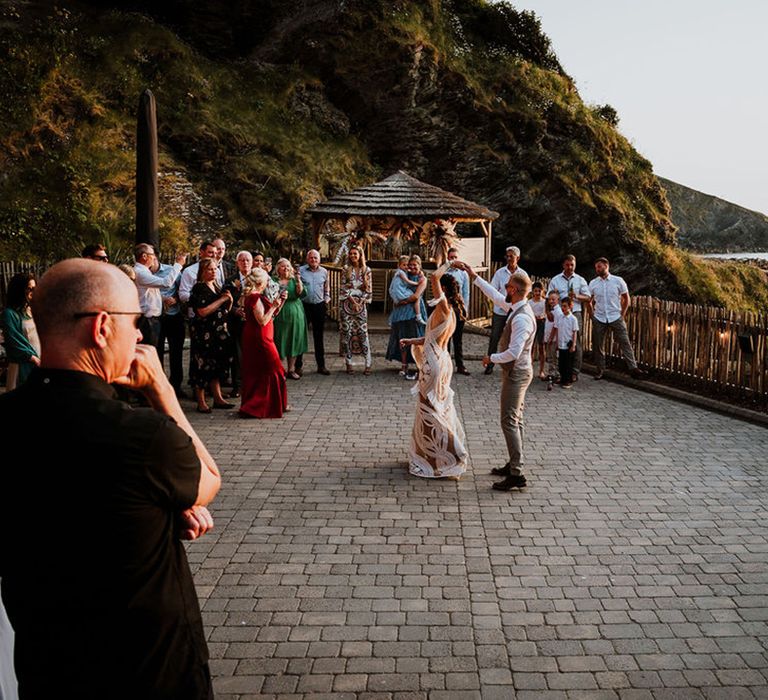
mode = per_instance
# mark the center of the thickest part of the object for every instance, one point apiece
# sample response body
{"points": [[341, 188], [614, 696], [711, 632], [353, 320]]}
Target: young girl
{"points": [[539, 307], [554, 312], [402, 273]]}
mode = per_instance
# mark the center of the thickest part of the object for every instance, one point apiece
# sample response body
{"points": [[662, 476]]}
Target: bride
{"points": [[437, 441]]}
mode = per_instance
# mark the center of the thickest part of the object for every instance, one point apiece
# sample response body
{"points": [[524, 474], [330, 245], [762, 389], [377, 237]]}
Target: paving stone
{"points": [[636, 571]]}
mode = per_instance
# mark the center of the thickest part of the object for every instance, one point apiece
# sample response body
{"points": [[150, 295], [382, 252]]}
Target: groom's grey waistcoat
{"points": [[506, 336]]}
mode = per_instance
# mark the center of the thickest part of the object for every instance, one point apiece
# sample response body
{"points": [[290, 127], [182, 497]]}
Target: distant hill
{"points": [[708, 224]]}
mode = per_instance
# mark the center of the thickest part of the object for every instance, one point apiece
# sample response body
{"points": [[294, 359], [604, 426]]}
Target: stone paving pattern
{"points": [[635, 565]]}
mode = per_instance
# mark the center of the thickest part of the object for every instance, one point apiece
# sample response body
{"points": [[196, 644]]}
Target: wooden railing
{"points": [[704, 347]]}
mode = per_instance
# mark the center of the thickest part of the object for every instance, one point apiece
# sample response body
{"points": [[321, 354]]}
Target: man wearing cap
{"points": [[569, 284], [499, 283]]}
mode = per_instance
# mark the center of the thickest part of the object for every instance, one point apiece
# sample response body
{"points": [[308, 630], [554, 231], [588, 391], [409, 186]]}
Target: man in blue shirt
{"points": [[314, 277], [172, 329], [456, 339]]}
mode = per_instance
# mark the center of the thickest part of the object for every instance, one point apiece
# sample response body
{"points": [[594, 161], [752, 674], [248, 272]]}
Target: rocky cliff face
{"points": [[266, 106], [709, 224]]}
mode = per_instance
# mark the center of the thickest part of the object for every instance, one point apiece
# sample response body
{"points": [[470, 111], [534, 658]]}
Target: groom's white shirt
{"points": [[523, 325]]}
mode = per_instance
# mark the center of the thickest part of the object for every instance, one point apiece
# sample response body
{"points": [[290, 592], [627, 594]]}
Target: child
{"points": [[567, 331], [550, 334], [539, 307], [402, 273]]}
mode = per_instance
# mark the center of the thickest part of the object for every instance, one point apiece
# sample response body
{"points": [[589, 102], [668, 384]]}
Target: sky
{"points": [[689, 79]]}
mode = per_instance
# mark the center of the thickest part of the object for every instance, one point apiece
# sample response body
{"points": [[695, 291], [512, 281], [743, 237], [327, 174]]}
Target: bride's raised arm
{"points": [[435, 279]]}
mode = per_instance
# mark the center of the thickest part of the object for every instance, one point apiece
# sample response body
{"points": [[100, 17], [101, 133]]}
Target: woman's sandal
{"points": [[350, 370], [294, 375], [206, 409], [367, 371]]}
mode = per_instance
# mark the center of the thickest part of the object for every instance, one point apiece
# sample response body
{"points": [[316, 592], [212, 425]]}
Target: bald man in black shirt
{"points": [[94, 575]]}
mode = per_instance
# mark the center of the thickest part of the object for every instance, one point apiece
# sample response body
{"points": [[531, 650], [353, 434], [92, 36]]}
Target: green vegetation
{"points": [[70, 84]]}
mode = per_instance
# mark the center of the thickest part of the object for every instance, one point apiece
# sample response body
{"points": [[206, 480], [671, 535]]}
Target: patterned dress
{"points": [[437, 441], [354, 297], [211, 348]]}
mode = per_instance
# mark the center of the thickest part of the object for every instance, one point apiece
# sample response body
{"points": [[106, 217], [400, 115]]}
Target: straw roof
{"points": [[401, 195]]}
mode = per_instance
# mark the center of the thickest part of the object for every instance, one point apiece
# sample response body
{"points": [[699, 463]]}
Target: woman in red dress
{"points": [[264, 391]]}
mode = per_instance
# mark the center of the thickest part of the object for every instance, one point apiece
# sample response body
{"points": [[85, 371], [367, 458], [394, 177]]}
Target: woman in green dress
{"points": [[290, 323]]}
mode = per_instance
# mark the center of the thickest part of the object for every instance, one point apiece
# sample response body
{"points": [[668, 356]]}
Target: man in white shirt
{"points": [[189, 275], [499, 283], [149, 285], [569, 284], [514, 356], [610, 300]]}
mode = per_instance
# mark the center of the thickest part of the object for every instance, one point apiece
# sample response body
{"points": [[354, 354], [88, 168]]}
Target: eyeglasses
{"points": [[86, 314], [100, 258]]}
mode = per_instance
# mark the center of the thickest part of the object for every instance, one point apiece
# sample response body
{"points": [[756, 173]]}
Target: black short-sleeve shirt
{"points": [[94, 577]]}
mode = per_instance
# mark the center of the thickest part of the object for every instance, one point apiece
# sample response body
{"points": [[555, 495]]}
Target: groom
{"points": [[514, 356]]}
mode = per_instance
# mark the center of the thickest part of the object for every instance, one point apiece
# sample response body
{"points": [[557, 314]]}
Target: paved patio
{"points": [[634, 566]]}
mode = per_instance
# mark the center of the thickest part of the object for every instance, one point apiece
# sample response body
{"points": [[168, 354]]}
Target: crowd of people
{"points": [[248, 329]]}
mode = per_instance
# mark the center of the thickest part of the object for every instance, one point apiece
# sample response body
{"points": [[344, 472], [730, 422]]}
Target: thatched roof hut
{"points": [[401, 195], [399, 207]]}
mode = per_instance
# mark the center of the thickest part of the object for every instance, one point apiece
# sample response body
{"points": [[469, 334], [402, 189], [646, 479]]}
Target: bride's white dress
{"points": [[437, 441]]}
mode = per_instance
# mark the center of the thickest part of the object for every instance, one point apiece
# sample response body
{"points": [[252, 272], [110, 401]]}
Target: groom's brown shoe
{"points": [[501, 471], [513, 481]]}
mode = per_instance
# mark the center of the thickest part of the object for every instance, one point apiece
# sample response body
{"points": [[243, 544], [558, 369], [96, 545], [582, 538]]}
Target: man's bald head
{"points": [[79, 285]]}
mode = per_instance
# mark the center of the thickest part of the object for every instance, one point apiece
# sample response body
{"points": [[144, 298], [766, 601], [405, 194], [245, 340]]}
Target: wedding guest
{"points": [[265, 394], [291, 323], [462, 278], [211, 350], [538, 305], [95, 251], [272, 292], [236, 320], [550, 335], [225, 270], [149, 284], [610, 301], [109, 610], [569, 284], [499, 283], [354, 296], [22, 346], [567, 327], [402, 319], [314, 277], [173, 331], [189, 274]]}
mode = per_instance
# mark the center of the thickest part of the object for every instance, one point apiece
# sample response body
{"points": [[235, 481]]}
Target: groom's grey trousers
{"points": [[514, 384]]}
